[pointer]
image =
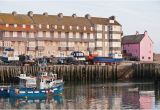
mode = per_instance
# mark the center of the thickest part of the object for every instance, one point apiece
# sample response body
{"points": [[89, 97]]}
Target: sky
{"points": [[134, 15]]}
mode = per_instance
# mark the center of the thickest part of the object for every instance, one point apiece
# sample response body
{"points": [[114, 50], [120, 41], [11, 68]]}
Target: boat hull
{"points": [[36, 93]]}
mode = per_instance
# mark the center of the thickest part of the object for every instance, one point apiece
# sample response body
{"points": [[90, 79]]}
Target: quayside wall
{"points": [[87, 73]]}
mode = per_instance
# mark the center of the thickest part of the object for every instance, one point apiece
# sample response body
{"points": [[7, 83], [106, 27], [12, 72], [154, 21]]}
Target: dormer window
{"points": [[55, 27], [84, 27], [15, 25], [91, 28], [24, 26], [62, 26], [32, 26], [7, 25], [47, 26], [70, 27], [40, 26], [77, 27]]}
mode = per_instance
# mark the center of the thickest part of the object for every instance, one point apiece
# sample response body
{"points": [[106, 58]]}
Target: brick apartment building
{"points": [[45, 35]]}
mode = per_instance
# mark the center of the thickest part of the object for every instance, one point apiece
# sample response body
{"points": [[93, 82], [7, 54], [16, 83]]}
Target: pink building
{"points": [[138, 47]]}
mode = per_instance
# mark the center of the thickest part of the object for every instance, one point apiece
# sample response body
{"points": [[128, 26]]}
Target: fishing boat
{"points": [[4, 91], [43, 84]]}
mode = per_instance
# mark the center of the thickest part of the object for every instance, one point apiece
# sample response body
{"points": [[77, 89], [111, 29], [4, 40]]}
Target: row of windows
{"points": [[109, 28], [98, 27], [61, 35], [48, 26], [50, 34]]}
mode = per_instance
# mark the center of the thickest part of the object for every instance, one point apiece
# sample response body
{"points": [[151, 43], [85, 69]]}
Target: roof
{"points": [[6, 18], [50, 19], [132, 39]]}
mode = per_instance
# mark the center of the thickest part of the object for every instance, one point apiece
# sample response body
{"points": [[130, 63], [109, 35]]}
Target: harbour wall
{"points": [[87, 73]]}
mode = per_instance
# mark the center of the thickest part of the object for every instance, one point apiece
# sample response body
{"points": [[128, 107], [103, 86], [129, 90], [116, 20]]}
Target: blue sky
{"points": [[134, 15]]}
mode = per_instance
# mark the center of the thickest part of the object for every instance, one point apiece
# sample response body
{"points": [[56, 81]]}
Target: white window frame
{"points": [[14, 34]]}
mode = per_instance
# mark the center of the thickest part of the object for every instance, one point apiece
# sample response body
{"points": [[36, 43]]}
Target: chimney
{"points": [[88, 16], [60, 15], [145, 33], [112, 18], [45, 14], [30, 13], [137, 33], [14, 13], [74, 15]]}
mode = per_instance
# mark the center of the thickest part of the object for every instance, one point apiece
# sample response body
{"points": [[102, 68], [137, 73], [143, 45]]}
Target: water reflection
{"points": [[31, 103], [94, 96]]}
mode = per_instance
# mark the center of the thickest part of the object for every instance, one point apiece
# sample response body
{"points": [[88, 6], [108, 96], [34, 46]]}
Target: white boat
{"points": [[9, 55], [40, 86], [31, 81]]}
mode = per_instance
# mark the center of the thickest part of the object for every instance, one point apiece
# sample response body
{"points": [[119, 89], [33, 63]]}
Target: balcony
{"points": [[40, 48], [98, 48], [62, 48], [31, 48], [66, 48], [70, 48]]}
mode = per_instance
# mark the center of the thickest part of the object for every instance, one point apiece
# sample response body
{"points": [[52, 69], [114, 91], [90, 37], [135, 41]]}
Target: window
{"points": [[31, 35], [149, 58], [85, 36], [14, 34], [99, 27], [77, 27], [77, 35], [91, 28], [23, 34], [55, 27], [40, 26], [71, 35], [44, 34], [62, 34], [62, 26], [99, 35], [99, 43], [106, 28], [91, 36], [70, 27], [40, 34], [23, 26], [6, 34], [84, 27], [106, 36], [47, 26], [7, 25], [31, 26], [142, 57], [55, 34], [15, 25], [63, 44], [47, 34]]}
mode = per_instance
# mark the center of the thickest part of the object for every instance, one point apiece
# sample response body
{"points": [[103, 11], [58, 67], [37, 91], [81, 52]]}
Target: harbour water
{"points": [[128, 95]]}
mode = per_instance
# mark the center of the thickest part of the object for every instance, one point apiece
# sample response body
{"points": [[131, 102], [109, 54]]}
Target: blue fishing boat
{"points": [[4, 91], [43, 84]]}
